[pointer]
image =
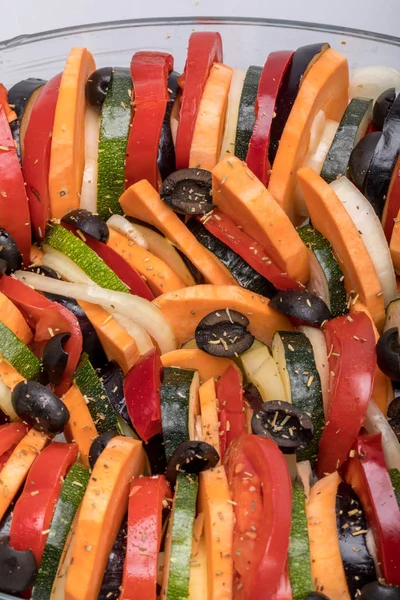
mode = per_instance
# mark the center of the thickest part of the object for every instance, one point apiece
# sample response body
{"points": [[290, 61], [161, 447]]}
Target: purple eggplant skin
{"points": [[18, 98], [166, 149], [112, 580], [302, 59], [358, 565], [383, 161]]}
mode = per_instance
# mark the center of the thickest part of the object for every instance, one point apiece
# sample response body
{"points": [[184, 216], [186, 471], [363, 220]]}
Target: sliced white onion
{"points": [[317, 340], [64, 266], [316, 131], [370, 228], [89, 181], [375, 422], [305, 475], [139, 334], [174, 118], [127, 228], [370, 82], [138, 309], [5, 402], [235, 92], [316, 158]]}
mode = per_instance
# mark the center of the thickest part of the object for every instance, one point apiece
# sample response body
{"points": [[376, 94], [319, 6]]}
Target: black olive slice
{"points": [[253, 397], [112, 377], [97, 87], [36, 405], [89, 223], [317, 596], [43, 270], [99, 444], [388, 353], [382, 106], [393, 415], [289, 427], [188, 191], [301, 305], [378, 591], [361, 157], [224, 333], [18, 569], [55, 358], [9, 251], [155, 451], [3, 266], [191, 457]]}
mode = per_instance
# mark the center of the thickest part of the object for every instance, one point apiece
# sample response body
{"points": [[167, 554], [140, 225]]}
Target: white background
{"points": [[30, 16]]}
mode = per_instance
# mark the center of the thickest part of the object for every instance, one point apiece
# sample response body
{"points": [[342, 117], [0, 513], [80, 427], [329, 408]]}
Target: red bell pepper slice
{"points": [[142, 395], [147, 499], [46, 318], [34, 509], [260, 488], [14, 209], [36, 160], [366, 472], [350, 342], [271, 78], [10, 435], [149, 71], [224, 229], [125, 272], [232, 421], [392, 207], [205, 48]]}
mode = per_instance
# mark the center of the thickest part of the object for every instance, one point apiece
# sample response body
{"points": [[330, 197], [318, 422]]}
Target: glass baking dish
{"points": [[245, 42]]}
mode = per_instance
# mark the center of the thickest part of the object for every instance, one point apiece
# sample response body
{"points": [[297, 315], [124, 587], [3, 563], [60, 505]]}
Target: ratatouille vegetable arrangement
{"points": [[199, 329]]}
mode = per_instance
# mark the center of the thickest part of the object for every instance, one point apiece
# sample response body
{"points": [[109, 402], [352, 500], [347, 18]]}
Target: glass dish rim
{"points": [[25, 39]]}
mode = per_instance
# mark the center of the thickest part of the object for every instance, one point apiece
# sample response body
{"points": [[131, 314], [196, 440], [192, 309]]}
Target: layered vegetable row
{"points": [[198, 290]]}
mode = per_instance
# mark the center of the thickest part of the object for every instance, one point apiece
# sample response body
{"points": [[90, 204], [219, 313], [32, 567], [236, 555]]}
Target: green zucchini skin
{"points": [[114, 132], [352, 127], [299, 549], [103, 414], [247, 115], [336, 297], [17, 354], [71, 495], [305, 384], [183, 516], [244, 274], [395, 478], [175, 395]]}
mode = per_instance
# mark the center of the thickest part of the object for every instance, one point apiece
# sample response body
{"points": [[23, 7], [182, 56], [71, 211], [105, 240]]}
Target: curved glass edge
{"points": [[243, 21]]}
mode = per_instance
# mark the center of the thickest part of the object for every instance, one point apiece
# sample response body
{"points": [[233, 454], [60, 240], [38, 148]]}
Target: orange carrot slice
{"points": [[208, 366], [103, 507], [325, 87], [158, 275], [116, 341], [80, 428], [142, 202], [8, 375], [67, 158], [209, 414], [239, 194], [12, 317], [329, 216], [16, 468], [185, 308], [210, 122]]}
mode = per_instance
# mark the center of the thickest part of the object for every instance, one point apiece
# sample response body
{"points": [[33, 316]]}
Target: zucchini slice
{"points": [[317, 340], [103, 414], [67, 505], [262, 371], [114, 131], [299, 551], [294, 355], [395, 478], [247, 115], [326, 279], [353, 126], [245, 275], [178, 545], [59, 238], [17, 354], [179, 406]]}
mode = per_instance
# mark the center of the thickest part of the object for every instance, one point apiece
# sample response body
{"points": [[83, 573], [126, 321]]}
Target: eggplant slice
{"points": [[22, 97]]}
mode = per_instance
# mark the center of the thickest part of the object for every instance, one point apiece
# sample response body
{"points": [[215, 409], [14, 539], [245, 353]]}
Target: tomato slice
{"points": [[260, 488]]}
